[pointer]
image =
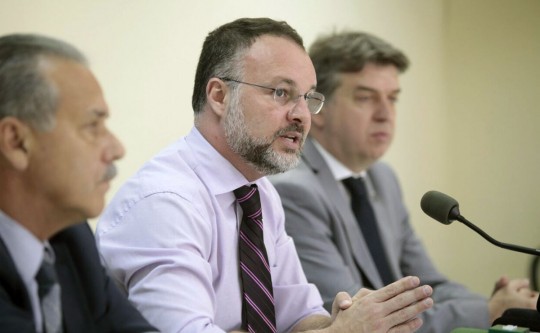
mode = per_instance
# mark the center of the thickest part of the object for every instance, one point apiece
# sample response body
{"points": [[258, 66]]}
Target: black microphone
{"points": [[445, 209]]}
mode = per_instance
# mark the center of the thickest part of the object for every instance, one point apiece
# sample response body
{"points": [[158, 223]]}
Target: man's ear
{"points": [[15, 142], [217, 94]]}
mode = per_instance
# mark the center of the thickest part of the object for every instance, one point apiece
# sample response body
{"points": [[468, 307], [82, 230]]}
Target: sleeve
{"points": [[310, 223], [157, 249], [123, 317], [454, 305], [295, 298]]}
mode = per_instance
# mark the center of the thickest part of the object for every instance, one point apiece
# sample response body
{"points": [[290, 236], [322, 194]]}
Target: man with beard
{"points": [[186, 236]]}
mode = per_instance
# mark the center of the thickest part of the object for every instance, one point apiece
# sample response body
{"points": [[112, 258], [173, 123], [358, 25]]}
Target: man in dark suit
{"points": [[359, 75], [56, 161]]}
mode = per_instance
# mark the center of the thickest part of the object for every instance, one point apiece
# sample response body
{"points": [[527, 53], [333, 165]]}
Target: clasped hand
{"points": [[393, 308]]}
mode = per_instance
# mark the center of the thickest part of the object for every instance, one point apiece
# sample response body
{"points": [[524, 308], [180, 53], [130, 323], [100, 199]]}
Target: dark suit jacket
{"points": [[335, 256], [90, 300]]}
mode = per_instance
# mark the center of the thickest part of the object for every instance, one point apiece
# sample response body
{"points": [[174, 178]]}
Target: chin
{"points": [[94, 210]]}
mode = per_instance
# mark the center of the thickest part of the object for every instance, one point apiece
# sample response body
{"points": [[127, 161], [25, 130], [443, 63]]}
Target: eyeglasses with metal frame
{"points": [[289, 96]]}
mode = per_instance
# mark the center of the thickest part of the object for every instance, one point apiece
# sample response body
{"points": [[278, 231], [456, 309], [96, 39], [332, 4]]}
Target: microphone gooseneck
{"points": [[445, 209]]}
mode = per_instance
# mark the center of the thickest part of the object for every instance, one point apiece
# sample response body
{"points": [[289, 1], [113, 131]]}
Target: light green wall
{"points": [[452, 108]]}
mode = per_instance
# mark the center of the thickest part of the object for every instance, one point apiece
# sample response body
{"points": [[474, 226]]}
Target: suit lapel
{"points": [[11, 281], [15, 307], [77, 316], [386, 230], [343, 213]]}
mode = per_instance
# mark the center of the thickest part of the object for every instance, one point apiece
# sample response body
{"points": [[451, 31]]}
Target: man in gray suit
{"points": [[359, 75]]}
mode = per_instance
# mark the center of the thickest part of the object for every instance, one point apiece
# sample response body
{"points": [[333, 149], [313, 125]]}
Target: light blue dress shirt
{"points": [[27, 253]]}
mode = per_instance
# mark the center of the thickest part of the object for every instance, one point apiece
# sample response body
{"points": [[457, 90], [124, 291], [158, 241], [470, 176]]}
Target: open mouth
{"points": [[294, 138], [292, 141]]}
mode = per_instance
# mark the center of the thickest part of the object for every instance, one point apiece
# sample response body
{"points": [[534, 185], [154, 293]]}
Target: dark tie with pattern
{"points": [[366, 220], [49, 296], [258, 313]]}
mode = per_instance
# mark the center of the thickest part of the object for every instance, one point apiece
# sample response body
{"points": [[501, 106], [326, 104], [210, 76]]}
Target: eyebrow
{"points": [[100, 113], [293, 84], [361, 87]]}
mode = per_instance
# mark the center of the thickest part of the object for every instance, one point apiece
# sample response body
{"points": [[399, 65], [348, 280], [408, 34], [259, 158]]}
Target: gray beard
{"points": [[258, 152]]}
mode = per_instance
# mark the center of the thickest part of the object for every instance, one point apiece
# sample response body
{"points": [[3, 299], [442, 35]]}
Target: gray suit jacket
{"points": [[335, 256]]}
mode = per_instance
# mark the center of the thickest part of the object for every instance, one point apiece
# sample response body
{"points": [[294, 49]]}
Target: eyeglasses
{"points": [[289, 96]]}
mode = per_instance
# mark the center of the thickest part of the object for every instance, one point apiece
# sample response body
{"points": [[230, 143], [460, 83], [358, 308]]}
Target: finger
{"points": [[517, 284], [407, 314], [410, 326], [529, 299], [396, 288], [528, 292], [407, 298], [342, 301], [363, 292], [501, 283]]}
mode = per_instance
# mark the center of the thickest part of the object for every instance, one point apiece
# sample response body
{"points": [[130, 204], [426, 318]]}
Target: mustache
{"points": [[110, 173], [291, 128]]}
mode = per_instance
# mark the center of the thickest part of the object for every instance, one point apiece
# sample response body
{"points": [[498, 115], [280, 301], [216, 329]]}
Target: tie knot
{"points": [[248, 198], [46, 277], [356, 186]]}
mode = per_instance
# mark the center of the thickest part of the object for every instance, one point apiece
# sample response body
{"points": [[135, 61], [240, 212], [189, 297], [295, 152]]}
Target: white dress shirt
{"points": [[341, 172]]}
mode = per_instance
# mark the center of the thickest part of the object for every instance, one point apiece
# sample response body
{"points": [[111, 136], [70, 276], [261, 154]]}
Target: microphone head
{"points": [[440, 207]]}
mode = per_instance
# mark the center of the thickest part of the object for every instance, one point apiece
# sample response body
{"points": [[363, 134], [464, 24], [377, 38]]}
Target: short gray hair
{"points": [[24, 91]]}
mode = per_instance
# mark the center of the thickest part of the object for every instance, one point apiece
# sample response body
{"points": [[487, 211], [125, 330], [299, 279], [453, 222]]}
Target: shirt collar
{"points": [[338, 169], [25, 249], [211, 166]]}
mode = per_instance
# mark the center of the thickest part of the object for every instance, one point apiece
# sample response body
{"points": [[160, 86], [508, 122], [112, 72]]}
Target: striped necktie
{"points": [[49, 295], [258, 313], [366, 220]]}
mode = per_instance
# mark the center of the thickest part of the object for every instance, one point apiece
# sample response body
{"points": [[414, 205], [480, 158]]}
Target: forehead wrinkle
{"points": [[279, 56]]}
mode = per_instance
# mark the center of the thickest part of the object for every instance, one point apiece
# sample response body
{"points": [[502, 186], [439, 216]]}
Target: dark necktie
{"points": [[258, 313], [49, 296], [366, 220]]}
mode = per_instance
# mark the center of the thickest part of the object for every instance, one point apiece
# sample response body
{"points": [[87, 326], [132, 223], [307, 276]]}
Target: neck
{"points": [[356, 165], [214, 134], [32, 212]]}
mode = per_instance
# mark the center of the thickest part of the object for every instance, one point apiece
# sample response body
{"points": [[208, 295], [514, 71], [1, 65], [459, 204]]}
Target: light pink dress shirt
{"points": [[170, 238]]}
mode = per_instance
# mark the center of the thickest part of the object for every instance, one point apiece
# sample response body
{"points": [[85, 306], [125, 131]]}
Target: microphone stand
{"points": [[535, 252]]}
